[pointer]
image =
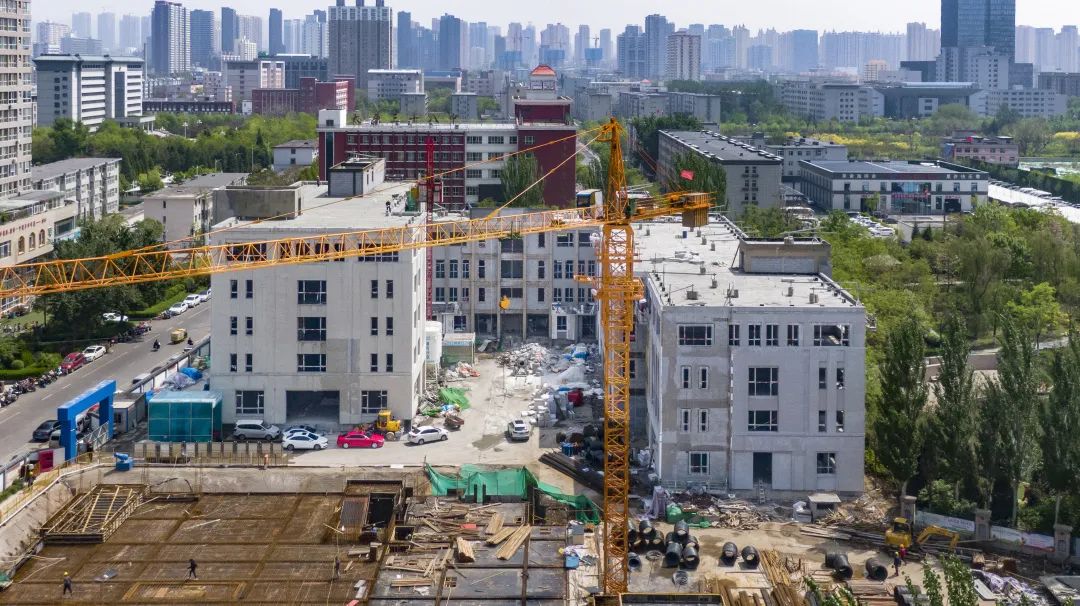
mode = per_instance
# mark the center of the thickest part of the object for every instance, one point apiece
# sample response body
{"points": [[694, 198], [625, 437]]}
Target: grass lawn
{"points": [[34, 316]]}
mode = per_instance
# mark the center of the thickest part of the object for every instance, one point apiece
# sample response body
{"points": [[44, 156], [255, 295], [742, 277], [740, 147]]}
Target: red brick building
{"points": [[474, 148], [311, 97]]}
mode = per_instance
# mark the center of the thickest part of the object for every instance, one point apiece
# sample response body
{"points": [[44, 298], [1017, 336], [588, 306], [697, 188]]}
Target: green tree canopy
{"points": [[520, 179], [900, 425]]}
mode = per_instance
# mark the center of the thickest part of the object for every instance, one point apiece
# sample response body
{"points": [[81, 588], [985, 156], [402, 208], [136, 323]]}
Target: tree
{"points": [[521, 182], [767, 223], [953, 117], [900, 427], [959, 582], [647, 133], [932, 585], [70, 138], [1031, 134], [952, 425], [1060, 416], [704, 177], [1037, 310], [1012, 405]]}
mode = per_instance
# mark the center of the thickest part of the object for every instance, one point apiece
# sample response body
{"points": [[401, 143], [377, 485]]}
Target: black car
{"points": [[42, 433]]}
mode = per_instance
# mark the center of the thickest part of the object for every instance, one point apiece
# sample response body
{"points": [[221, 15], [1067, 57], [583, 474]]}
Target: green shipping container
{"points": [[185, 416]]}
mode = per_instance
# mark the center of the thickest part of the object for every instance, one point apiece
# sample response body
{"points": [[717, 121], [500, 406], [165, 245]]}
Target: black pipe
{"points": [[750, 556]]}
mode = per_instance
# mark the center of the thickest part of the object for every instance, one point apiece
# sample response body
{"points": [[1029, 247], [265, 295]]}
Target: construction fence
{"points": [[211, 453], [474, 483]]}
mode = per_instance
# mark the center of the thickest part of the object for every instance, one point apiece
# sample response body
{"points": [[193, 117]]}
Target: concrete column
{"points": [[1062, 542], [907, 509], [982, 524]]}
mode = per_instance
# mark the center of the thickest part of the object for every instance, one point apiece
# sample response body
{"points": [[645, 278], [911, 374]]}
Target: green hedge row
{"points": [[24, 373], [175, 294]]}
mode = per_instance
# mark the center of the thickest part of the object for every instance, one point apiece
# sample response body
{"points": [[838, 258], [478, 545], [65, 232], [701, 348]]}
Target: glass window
{"points": [[249, 403], [793, 335], [390, 325], [703, 421], [764, 381], [733, 335], [311, 328], [512, 269], [310, 362], [772, 335], [232, 289], [699, 334], [822, 421], [373, 364], [232, 325], [684, 420], [249, 289], [311, 292], [831, 335], [684, 374], [389, 289], [249, 325], [826, 463], [823, 378], [699, 463], [703, 377], [754, 335], [762, 420], [839, 378], [371, 402]]}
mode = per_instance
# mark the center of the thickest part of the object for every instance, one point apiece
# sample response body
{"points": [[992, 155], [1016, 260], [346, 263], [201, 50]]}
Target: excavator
{"points": [[899, 535]]}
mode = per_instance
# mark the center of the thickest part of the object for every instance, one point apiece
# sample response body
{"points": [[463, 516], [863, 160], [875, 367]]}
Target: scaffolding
{"points": [[95, 515]]}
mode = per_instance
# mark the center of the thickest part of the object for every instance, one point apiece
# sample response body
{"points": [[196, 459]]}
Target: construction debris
{"points": [[494, 525], [513, 543], [464, 551]]}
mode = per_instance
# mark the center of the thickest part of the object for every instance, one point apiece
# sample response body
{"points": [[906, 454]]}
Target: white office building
{"points": [[187, 209], [391, 84], [754, 364], [91, 184], [88, 89], [331, 342]]}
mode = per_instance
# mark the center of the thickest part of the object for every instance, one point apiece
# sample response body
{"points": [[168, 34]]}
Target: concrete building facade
{"points": [[403, 145], [823, 101], [361, 39], [754, 371], [683, 56], [753, 175], [794, 150], [295, 153], [243, 77], [896, 187], [391, 84], [91, 184], [331, 342], [971, 146], [170, 38], [88, 89], [187, 210], [16, 101], [1028, 102]]}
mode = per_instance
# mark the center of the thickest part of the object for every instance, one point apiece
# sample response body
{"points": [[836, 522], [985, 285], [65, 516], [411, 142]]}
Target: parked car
{"points": [[304, 440], [518, 430], [204, 296], [73, 361], [93, 352], [114, 317], [178, 308], [255, 429], [43, 431], [192, 300], [360, 439], [300, 428], [430, 433]]}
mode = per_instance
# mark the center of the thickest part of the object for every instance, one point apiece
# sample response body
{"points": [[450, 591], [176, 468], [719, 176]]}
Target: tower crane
{"points": [[617, 292]]}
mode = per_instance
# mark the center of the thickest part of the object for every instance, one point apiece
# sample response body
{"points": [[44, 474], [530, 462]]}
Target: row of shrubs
{"points": [[30, 365]]}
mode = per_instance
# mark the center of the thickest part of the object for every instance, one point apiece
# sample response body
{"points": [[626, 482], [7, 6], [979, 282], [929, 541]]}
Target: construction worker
{"points": [[67, 584], [896, 561], [337, 567], [191, 569]]}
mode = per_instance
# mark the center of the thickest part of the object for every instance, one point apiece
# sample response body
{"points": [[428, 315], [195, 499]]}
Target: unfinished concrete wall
{"points": [[256, 202]]}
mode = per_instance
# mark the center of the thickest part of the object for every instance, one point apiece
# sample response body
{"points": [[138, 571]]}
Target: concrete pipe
{"points": [[839, 563], [673, 555], [729, 553], [876, 570], [646, 532], [682, 529], [633, 561], [690, 558], [692, 540], [750, 556]]}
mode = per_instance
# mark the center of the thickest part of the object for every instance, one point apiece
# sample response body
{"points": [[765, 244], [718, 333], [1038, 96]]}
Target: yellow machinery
{"points": [[900, 535], [178, 335], [386, 425], [617, 291]]}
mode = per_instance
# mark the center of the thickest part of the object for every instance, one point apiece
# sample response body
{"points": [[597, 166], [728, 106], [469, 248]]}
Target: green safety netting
{"points": [[447, 395], [508, 483]]}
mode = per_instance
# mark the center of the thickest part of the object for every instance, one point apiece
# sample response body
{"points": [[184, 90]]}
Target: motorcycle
{"points": [[156, 345]]}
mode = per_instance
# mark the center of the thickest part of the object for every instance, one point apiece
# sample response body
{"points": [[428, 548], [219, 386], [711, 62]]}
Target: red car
{"points": [[359, 439], [72, 362]]}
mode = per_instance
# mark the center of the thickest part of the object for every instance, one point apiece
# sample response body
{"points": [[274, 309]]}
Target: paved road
{"points": [[125, 361]]}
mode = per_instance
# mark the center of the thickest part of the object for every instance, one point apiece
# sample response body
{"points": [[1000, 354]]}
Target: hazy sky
{"points": [[888, 15]]}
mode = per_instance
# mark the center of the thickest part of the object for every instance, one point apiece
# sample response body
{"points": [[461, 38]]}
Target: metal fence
{"points": [[41, 483], [157, 375], [210, 453]]}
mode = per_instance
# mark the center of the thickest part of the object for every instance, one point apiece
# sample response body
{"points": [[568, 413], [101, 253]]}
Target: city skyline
{"points": [[834, 15]]}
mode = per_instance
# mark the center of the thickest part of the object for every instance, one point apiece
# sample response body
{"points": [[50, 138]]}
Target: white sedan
{"points": [[178, 308], [304, 440], [114, 317], [422, 435], [93, 352]]}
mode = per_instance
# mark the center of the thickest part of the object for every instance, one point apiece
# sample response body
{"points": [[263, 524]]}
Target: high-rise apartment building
{"points": [[683, 56], [407, 56], [131, 34], [804, 50], [49, 34], [80, 25], [106, 30], [277, 43], [582, 41], [361, 37], [250, 28], [451, 37], [632, 54], [15, 99], [315, 35], [607, 47], [1068, 49], [657, 30], [204, 37], [170, 38], [974, 23], [923, 43], [230, 30]]}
